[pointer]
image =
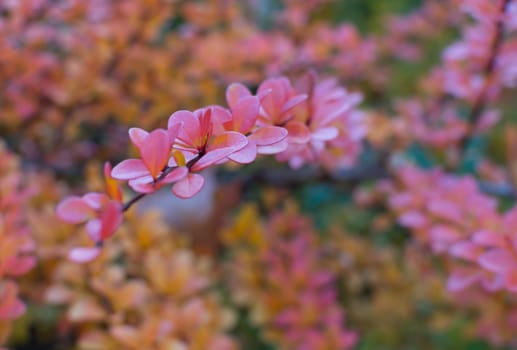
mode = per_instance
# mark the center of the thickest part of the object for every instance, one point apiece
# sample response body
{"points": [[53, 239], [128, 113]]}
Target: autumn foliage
{"points": [[279, 174]]}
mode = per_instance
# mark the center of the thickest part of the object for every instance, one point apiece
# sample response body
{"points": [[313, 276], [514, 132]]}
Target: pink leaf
{"points": [[497, 260], [298, 132], [221, 120], [274, 101], [20, 265], [189, 186], [492, 283], [263, 93], [223, 145], [445, 209], [173, 132], [413, 219], [328, 115], [95, 200], [155, 151], [129, 169], [268, 135], [293, 102], [137, 136], [273, 148], [190, 128], [444, 233], [246, 155], [74, 210], [111, 218], [205, 126], [142, 184], [465, 250], [325, 134], [488, 238], [126, 335], [510, 280], [487, 120], [235, 92], [93, 229], [83, 254], [175, 175], [245, 113], [10, 306], [216, 156], [461, 279], [400, 200]]}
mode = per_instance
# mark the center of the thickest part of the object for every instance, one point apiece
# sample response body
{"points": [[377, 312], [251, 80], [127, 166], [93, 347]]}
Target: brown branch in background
{"points": [[502, 190], [289, 178], [510, 142], [488, 72]]}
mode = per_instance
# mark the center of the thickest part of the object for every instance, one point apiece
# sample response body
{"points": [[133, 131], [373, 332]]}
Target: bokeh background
{"points": [[265, 257]]}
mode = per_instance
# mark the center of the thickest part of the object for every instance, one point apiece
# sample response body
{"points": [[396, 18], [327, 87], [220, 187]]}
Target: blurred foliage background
{"points": [[391, 291]]}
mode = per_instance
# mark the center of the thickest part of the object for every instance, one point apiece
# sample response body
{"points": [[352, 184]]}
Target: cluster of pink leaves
{"points": [[292, 293], [439, 130], [296, 42], [464, 60], [16, 244], [451, 216], [446, 212], [325, 128], [66, 41], [312, 123], [474, 71], [315, 320], [488, 255], [102, 213], [421, 23]]}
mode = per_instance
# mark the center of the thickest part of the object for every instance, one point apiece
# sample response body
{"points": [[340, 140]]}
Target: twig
{"points": [[288, 177], [488, 70], [497, 189], [164, 173]]}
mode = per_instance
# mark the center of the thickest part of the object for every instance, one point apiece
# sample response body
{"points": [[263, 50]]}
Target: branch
{"points": [[289, 177], [497, 189], [488, 70], [286, 177], [164, 173]]}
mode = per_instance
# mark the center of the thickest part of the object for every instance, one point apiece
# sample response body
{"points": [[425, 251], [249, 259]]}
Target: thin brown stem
{"points": [[164, 173], [132, 201], [284, 178], [488, 71]]}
